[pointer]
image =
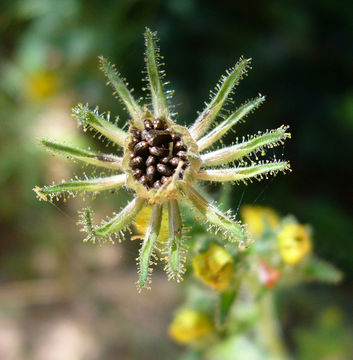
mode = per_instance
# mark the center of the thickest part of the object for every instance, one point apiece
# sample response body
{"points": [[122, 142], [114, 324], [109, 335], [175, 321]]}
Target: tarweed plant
{"points": [[236, 269]]}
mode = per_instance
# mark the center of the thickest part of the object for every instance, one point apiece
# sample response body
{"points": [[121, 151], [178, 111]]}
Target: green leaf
{"points": [[224, 89], [238, 115], [320, 270], [117, 82], [90, 185], [244, 173], [148, 245], [159, 100], [92, 119], [121, 220], [221, 222], [86, 156], [226, 300], [235, 152], [176, 258]]}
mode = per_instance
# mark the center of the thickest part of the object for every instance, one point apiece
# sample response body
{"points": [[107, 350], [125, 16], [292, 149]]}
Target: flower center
{"points": [[156, 153]]}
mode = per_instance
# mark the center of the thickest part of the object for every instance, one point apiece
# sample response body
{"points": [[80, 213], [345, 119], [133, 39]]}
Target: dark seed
{"points": [[141, 147], [143, 180], [182, 155], [164, 169], [164, 179], [136, 132], [136, 162], [137, 173], [157, 151], [158, 137], [158, 124], [150, 161], [149, 136], [162, 138], [134, 140], [148, 125], [157, 184], [179, 145], [174, 161], [165, 160], [175, 137], [144, 134], [150, 171]]}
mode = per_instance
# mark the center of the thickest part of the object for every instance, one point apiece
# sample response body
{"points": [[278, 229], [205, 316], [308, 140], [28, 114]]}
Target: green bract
{"points": [[162, 162]]}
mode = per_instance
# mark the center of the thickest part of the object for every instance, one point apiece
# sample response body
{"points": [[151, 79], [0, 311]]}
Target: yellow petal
{"points": [[294, 242], [142, 221], [189, 325], [41, 85], [214, 267], [259, 218]]}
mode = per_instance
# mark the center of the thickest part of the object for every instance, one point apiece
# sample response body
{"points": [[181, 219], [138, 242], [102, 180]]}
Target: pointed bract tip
{"points": [[39, 194], [149, 32]]}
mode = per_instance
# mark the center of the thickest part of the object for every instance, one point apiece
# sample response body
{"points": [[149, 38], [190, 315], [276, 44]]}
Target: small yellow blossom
{"points": [[142, 221], [41, 85], [259, 218], [294, 242], [189, 325], [214, 267]]}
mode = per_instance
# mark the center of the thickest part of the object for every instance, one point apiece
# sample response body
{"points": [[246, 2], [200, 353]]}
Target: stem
{"points": [[269, 327]]}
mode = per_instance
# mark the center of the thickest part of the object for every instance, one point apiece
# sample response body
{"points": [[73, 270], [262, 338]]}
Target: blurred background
{"points": [[62, 299]]}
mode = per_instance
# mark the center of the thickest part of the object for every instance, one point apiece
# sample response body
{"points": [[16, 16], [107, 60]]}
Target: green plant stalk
{"points": [[269, 327]]}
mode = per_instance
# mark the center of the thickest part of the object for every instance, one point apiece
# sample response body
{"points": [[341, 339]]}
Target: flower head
{"points": [[214, 267], [294, 242], [162, 162], [259, 219], [190, 325]]}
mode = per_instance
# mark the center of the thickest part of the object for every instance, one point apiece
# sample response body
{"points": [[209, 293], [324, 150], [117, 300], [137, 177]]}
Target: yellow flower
{"points": [[41, 85], [214, 267], [189, 325], [294, 242], [142, 221], [259, 218]]}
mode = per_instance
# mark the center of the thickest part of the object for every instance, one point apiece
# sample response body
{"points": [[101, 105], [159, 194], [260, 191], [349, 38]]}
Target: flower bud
{"points": [[294, 242], [214, 267], [189, 325], [259, 218]]}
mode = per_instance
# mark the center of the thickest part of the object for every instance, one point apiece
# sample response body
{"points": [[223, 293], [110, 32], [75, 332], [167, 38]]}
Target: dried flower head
{"points": [[163, 161]]}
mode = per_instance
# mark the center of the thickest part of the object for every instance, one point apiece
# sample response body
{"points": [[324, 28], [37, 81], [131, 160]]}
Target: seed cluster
{"points": [[156, 152]]}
